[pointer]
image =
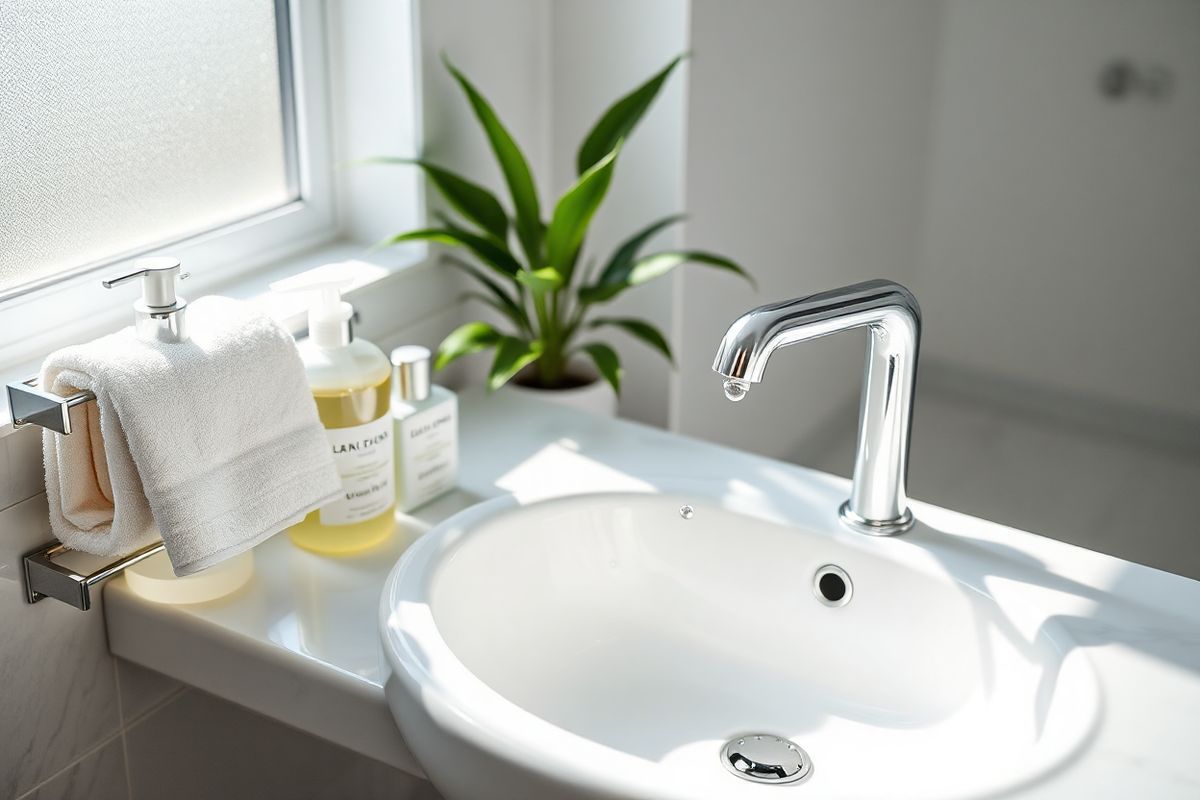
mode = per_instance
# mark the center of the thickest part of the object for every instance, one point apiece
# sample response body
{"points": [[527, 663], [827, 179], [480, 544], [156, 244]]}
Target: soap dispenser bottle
{"points": [[426, 430], [350, 380]]}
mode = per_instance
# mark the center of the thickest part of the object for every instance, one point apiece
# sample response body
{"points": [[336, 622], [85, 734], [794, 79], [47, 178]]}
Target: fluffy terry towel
{"points": [[213, 444]]}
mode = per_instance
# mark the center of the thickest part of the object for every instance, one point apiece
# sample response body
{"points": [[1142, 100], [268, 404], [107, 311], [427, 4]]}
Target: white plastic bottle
{"points": [[425, 424], [351, 384]]}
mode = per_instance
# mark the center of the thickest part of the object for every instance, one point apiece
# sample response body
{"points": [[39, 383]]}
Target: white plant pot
{"points": [[595, 397]]}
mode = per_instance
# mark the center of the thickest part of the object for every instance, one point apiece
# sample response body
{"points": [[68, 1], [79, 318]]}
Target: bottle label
{"points": [[364, 458], [427, 463]]}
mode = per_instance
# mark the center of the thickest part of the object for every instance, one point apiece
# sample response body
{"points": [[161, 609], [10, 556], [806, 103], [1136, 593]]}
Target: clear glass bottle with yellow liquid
{"points": [[351, 382]]}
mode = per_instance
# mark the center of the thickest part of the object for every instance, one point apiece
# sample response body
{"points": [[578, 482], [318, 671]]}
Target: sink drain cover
{"points": [[764, 758]]}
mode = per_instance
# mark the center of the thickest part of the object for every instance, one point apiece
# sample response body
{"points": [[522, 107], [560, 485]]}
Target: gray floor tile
{"points": [[98, 776]]}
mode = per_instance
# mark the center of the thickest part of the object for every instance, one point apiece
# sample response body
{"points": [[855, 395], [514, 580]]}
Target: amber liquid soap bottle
{"points": [[351, 384]]}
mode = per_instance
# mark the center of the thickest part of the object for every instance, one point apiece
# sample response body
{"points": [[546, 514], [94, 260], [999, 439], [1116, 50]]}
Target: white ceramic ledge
{"points": [[300, 643]]}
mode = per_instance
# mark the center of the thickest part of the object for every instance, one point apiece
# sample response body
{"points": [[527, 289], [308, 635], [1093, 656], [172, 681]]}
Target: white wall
{"points": [[502, 48], [807, 141], [1062, 248], [600, 51]]}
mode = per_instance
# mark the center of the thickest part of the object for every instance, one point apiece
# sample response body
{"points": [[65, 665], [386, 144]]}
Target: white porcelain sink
{"points": [[603, 646]]}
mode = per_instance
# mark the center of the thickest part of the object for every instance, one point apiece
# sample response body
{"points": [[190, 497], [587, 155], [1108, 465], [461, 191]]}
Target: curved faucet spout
{"points": [[878, 502]]}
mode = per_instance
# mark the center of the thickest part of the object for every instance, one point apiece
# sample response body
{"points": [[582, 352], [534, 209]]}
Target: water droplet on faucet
{"points": [[687, 512], [736, 389]]}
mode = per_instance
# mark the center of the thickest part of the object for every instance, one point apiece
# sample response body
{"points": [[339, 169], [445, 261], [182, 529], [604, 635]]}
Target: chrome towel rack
{"points": [[44, 578], [31, 405]]}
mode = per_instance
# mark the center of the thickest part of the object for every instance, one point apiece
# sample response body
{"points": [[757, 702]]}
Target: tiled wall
{"points": [[77, 723]]}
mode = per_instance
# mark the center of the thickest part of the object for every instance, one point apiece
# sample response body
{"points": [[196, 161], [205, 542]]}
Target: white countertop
{"points": [[300, 643]]}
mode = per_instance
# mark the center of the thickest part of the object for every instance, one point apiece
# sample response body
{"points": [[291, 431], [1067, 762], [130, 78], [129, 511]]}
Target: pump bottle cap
{"points": [[328, 315], [411, 373], [161, 314]]}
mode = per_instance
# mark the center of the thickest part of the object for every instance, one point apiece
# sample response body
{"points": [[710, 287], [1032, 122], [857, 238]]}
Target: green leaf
{"points": [[605, 359], [512, 164], [640, 330], [654, 266], [494, 255], [574, 213], [469, 199], [512, 355], [600, 292], [500, 300], [620, 119], [546, 279], [621, 262], [464, 340]]}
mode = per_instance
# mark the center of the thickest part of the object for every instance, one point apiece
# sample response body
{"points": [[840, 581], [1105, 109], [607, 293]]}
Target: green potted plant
{"points": [[550, 302]]}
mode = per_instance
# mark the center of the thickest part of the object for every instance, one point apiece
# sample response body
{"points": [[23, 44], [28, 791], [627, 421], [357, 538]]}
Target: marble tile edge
{"points": [[94, 750], [175, 694]]}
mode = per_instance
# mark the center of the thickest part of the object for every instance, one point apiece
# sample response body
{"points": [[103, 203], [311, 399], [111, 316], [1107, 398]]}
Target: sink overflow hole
{"points": [[832, 586]]}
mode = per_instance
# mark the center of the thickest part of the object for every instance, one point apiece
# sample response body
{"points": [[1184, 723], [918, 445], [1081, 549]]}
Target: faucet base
{"points": [[875, 527]]}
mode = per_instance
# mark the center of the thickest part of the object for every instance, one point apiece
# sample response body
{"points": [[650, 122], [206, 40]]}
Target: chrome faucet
{"points": [[878, 504]]}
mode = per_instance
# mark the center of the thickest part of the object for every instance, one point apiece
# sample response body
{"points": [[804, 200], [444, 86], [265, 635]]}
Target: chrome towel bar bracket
{"points": [[44, 578], [30, 405]]}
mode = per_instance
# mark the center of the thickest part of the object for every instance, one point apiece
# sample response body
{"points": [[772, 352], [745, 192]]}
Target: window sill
{"points": [[377, 281]]}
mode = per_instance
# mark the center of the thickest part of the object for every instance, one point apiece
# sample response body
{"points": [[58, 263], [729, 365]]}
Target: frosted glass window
{"points": [[126, 124]]}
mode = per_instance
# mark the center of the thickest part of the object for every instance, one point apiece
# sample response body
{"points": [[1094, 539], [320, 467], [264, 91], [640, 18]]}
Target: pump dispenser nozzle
{"points": [[160, 315], [328, 315]]}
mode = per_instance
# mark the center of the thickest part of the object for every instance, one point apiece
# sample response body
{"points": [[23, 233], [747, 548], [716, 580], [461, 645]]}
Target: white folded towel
{"points": [[213, 444]]}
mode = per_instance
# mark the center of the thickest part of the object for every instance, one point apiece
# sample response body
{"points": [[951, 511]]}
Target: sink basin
{"points": [[610, 645]]}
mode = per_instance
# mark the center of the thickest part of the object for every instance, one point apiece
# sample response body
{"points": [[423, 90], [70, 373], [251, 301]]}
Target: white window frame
{"points": [[240, 259]]}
